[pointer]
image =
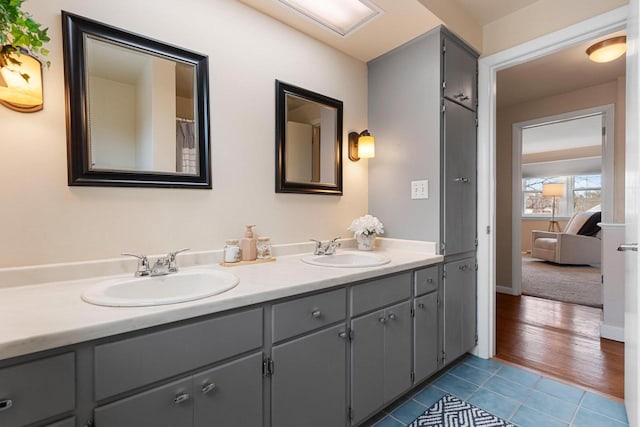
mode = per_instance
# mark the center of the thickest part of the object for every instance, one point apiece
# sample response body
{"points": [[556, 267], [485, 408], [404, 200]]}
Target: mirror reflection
{"points": [[309, 141], [141, 110]]}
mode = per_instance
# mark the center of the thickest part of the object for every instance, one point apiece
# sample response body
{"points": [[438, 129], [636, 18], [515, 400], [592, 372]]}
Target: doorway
{"points": [[574, 150], [489, 216]]}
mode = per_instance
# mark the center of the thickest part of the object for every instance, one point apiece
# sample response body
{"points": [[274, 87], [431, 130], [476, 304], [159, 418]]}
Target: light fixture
{"points": [[340, 16], [608, 50], [361, 145], [17, 92], [553, 190]]}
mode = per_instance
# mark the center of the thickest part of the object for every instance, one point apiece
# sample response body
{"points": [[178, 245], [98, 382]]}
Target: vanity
{"points": [[291, 342]]}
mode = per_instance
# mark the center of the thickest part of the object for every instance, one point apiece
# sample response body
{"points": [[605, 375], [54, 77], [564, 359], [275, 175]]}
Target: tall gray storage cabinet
{"points": [[422, 112]]}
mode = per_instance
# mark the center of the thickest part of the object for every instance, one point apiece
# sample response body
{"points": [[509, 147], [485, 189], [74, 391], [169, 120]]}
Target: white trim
{"points": [[608, 142], [487, 68], [615, 333], [506, 290]]}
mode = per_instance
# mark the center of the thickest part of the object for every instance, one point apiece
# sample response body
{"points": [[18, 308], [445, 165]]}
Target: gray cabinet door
{"points": [[367, 365], [170, 405], [308, 385], [459, 179], [459, 74], [36, 390], [459, 308], [426, 336], [397, 350], [230, 395]]}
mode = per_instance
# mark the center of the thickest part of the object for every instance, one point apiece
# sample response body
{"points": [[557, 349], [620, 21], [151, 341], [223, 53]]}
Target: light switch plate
{"points": [[420, 189]]}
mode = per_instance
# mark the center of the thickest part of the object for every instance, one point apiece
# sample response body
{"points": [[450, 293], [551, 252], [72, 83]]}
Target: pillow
{"points": [[591, 228], [576, 222]]}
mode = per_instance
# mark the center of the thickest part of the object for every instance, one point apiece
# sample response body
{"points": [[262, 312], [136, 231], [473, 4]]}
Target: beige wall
{"points": [[45, 221], [608, 93], [540, 18]]}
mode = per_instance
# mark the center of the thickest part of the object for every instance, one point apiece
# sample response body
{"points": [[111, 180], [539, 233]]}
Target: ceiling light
{"points": [[340, 16], [608, 50]]}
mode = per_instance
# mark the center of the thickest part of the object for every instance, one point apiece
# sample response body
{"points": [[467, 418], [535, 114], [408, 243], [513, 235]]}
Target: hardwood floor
{"points": [[561, 340]]}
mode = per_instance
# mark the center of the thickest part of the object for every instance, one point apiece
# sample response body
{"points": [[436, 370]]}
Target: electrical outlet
{"points": [[420, 189]]}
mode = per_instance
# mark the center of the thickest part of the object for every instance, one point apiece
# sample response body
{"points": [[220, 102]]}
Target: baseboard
{"points": [[615, 333], [505, 290]]}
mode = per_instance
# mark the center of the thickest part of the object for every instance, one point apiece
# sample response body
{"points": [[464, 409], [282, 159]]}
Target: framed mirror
{"points": [[308, 141], [137, 109]]}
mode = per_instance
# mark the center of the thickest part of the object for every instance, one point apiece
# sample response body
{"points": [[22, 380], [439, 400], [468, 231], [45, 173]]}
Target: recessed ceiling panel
{"points": [[340, 16]]}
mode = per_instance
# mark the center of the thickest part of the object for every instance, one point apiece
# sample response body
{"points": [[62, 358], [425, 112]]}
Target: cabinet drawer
{"points": [[37, 390], [426, 280], [378, 293], [306, 314], [170, 405], [134, 362], [69, 422]]}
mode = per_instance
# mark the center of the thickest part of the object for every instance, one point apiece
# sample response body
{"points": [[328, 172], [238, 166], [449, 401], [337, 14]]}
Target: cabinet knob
{"points": [[182, 397], [461, 179], [382, 320], [342, 334], [5, 404], [316, 313], [207, 387], [430, 280], [420, 305], [392, 316]]}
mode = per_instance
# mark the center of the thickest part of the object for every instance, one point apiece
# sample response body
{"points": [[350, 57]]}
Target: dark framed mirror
{"points": [[137, 109], [308, 141]]}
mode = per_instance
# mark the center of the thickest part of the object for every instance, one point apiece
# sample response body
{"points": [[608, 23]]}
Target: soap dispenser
{"points": [[248, 245]]}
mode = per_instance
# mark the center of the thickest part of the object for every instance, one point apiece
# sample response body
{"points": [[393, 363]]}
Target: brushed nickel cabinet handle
{"points": [[5, 404], [180, 398], [206, 388]]}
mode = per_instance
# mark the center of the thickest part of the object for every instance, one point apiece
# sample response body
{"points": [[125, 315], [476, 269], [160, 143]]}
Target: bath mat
{"points": [[450, 411]]}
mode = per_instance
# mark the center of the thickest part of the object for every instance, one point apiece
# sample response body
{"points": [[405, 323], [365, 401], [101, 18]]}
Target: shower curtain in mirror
{"points": [[186, 150]]}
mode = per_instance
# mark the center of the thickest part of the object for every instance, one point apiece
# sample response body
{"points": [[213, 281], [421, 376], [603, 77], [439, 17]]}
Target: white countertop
{"points": [[49, 315]]}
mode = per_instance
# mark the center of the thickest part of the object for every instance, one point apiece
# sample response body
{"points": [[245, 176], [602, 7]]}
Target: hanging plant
{"points": [[18, 32]]}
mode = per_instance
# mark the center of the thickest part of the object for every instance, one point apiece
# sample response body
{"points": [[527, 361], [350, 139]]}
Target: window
{"points": [[583, 193]]}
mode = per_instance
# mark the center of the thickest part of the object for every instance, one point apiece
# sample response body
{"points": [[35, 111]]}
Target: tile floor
{"points": [[516, 395]]}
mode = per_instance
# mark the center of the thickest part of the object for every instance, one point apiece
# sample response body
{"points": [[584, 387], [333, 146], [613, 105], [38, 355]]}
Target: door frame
{"points": [[488, 66], [608, 144]]}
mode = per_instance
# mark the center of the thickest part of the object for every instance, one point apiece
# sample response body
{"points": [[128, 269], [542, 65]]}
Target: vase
{"points": [[365, 243]]}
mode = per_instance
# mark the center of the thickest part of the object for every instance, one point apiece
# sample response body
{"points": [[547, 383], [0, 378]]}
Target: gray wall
{"points": [[404, 118]]}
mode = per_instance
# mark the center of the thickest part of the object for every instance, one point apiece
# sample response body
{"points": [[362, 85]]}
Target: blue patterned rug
{"points": [[450, 411]]}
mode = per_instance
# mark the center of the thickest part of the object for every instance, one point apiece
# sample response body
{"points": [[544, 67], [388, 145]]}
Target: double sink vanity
{"points": [[277, 343]]}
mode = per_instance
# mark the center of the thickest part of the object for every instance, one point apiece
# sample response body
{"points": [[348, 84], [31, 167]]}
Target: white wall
{"points": [[43, 220], [113, 136]]}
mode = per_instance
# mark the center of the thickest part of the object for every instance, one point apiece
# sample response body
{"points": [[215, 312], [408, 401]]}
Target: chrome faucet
{"points": [[163, 266], [328, 249], [143, 265]]}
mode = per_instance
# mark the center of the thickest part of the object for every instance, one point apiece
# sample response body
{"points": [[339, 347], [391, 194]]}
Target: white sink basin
{"points": [[183, 286], [347, 259]]}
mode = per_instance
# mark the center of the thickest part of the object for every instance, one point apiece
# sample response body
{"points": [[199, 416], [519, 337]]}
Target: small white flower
{"points": [[366, 225]]}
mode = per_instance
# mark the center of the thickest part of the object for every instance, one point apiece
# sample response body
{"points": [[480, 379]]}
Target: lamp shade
{"points": [[607, 50], [18, 93], [366, 147], [552, 190]]}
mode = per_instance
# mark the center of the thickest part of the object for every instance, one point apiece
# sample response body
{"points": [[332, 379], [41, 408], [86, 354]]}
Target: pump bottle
{"points": [[248, 245]]}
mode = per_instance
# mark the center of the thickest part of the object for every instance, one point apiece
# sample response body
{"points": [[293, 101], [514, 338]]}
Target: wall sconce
{"points": [[361, 145], [608, 50], [17, 93]]}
